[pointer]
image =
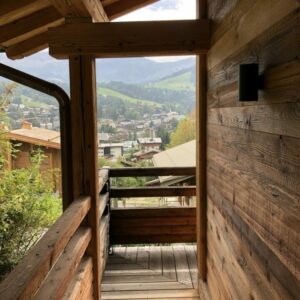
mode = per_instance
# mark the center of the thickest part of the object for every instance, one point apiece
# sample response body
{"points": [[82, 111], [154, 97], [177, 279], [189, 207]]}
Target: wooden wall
{"points": [[51, 161], [253, 165]]}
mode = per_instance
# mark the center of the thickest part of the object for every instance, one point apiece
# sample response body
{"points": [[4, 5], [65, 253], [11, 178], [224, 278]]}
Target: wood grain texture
{"points": [[125, 39], [201, 150], [261, 16], [143, 172], [62, 273], [81, 8], [84, 156], [153, 192], [155, 272], [27, 47], [153, 225], [253, 152], [119, 8], [13, 10], [27, 276], [81, 280], [29, 26]]}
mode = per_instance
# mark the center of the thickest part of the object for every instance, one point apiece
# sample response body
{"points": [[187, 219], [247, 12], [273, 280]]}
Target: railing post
{"points": [[85, 149], [201, 204]]}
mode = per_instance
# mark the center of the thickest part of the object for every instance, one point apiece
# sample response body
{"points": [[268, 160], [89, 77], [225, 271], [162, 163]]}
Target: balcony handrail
{"points": [[152, 171], [31, 274]]}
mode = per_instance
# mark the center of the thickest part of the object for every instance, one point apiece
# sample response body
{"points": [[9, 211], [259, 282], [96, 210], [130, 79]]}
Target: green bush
{"points": [[28, 205], [27, 208]]}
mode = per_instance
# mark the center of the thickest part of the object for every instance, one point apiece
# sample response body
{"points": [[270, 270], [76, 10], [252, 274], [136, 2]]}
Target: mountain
{"points": [[128, 70]]}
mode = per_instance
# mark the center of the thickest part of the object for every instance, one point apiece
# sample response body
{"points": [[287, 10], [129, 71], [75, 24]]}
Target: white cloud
{"points": [[180, 10], [164, 10]]}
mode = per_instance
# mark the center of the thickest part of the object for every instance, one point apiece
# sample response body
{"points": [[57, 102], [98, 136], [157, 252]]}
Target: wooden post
{"points": [[85, 149], [201, 204]]}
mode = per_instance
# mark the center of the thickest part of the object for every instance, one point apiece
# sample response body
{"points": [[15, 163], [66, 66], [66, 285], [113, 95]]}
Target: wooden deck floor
{"points": [[151, 272]]}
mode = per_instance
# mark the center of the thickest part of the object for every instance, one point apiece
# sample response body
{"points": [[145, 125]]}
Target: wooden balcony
{"points": [[151, 272], [60, 265]]}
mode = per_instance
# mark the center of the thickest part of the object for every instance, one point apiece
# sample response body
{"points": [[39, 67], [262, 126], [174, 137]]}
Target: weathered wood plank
{"points": [[261, 16], [143, 172], [152, 192], [85, 149], [273, 159], [13, 10], [168, 263], [125, 39], [82, 279], [275, 46], [63, 271], [281, 119], [281, 85], [81, 8], [29, 26], [103, 199], [28, 275], [27, 47], [162, 212], [120, 8]]}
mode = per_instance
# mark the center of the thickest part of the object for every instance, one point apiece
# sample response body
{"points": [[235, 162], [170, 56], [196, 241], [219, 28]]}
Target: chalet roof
{"points": [[36, 136], [24, 23], [180, 156], [111, 145]]}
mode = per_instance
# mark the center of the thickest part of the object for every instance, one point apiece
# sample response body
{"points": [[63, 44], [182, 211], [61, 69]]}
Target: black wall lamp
{"points": [[249, 82]]}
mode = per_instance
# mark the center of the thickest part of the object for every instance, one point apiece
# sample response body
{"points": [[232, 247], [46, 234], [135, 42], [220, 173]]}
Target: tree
{"points": [[164, 134], [27, 203], [184, 132]]}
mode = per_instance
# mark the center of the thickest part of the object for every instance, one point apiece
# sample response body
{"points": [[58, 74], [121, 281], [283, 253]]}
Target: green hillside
{"points": [[109, 92], [178, 82]]}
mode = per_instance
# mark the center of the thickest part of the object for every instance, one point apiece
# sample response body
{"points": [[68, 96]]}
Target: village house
{"points": [[111, 151], [29, 138], [147, 144]]}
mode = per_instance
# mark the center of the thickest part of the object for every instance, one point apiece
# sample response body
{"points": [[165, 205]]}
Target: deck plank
{"points": [[155, 272], [182, 267], [168, 262]]}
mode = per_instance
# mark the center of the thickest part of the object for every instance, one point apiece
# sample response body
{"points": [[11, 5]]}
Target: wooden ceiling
{"points": [[24, 23]]}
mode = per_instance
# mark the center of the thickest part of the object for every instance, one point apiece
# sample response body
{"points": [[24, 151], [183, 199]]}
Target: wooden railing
{"points": [[54, 265], [152, 225], [59, 267]]}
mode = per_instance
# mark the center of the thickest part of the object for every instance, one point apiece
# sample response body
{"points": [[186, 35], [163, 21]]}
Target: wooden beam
{"points": [[29, 26], [81, 8], [143, 172], [120, 8], [13, 10], [201, 148], [85, 149], [167, 191], [27, 47], [125, 39]]}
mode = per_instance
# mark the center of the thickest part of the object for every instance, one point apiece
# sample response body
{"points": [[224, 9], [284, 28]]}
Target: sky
{"points": [[161, 10], [164, 10]]}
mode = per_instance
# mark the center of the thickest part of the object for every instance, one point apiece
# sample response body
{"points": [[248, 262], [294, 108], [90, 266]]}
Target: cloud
{"points": [[164, 10]]}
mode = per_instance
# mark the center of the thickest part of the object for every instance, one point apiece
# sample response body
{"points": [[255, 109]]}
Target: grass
{"points": [[181, 82], [112, 93]]}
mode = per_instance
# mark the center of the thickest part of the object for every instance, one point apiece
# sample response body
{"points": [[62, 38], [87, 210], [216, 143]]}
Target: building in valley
{"points": [[29, 138]]}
